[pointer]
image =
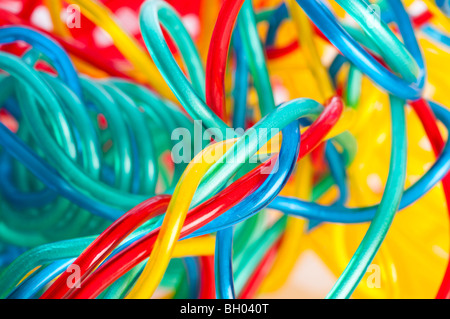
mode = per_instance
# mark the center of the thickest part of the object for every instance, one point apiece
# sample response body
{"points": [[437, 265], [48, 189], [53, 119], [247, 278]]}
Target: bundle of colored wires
{"points": [[203, 151]]}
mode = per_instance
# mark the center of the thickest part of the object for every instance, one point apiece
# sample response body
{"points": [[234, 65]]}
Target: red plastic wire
{"points": [[108, 240], [217, 55], [215, 73], [195, 219], [322, 126], [207, 280], [125, 260], [105, 243], [318, 160], [429, 123]]}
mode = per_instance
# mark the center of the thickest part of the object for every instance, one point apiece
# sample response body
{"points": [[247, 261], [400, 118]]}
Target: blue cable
{"points": [[223, 261], [267, 191], [49, 48], [326, 21], [335, 66], [337, 171], [337, 167], [9, 253], [33, 284], [11, 105], [193, 276], [296, 207], [403, 21], [444, 6], [16, 197], [436, 34], [240, 81], [275, 20], [50, 177], [300, 208]]}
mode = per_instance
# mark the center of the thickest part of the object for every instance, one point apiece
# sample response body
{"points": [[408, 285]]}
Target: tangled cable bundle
{"points": [[202, 149]]}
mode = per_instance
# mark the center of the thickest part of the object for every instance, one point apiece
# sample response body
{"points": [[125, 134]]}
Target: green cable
{"points": [[255, 57], [39, 256], [21, 238], [109, 107], [392, 50], [251, 141], [191, 96], [384, 216], [135, 121], [264, 15], [353, 92], [60, 160], [50, 214]]}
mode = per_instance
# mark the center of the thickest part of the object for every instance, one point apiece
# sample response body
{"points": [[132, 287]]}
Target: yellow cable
{"points": [[174, 219], [306, 41], [126, 44], [55, 8], [197, 246]]}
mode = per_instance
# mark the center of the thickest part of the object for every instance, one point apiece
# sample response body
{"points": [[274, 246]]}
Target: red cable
{"points": [[428, 120], [105, 243], [278, 52], [429, 123], [318, 159], [125, 260], [217, 55], [421, 19], [114, 234], [207, 280], [215, 96], [196, 218], [90, 259], [322, 126]]}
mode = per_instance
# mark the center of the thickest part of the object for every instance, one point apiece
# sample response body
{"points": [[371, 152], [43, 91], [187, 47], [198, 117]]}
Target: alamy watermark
{"points": [[73, 18], [374, 279], [252, 147], [73, 280]]}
